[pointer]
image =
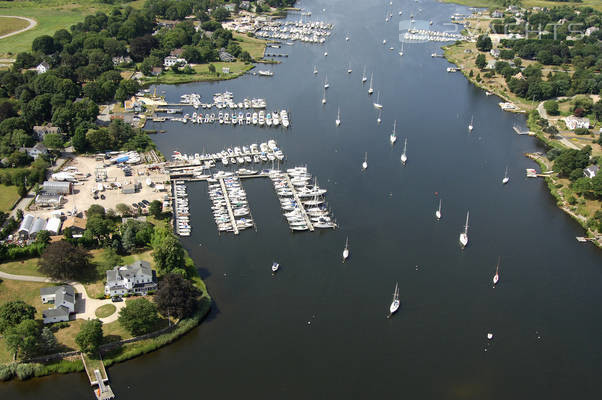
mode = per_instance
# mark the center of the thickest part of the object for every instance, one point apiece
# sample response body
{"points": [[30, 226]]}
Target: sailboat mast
{"points": [[466, 226], [439, 206]]}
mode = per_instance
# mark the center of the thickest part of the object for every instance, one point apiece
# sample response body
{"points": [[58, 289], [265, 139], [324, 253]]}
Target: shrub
{"points": [[25, 371], [7, 372]]}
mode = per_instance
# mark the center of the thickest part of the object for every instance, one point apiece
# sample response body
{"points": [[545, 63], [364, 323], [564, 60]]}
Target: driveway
{"points": [[32, 23], [85, 306]]}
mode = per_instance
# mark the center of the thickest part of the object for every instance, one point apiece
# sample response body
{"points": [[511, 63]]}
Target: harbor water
{"points": [[318, 328]]}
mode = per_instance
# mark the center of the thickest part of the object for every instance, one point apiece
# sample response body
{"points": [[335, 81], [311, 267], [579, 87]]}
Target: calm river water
{"points": [[319, 328]]}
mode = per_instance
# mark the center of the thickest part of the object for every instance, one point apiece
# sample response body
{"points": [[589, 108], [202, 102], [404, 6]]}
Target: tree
{"points": [[124, 209], [96, 210], [176, 297], [79, 141], [221, 14], [484, 43], [43, 237], [98, 227], [89, 337], [551, 107], [43, 43], [155, 208], [53, 141], [24, 338], [167, 252], [211, 68], [481, 61], [139, 316], [63, 261], [48, 342], [13, 313], [21, 191]]}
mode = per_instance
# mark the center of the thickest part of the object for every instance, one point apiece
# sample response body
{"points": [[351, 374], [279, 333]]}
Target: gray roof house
{"points": [[63, 298], [136, 278], [35, 151], [42, 130], [225, 56], [591, 171]]}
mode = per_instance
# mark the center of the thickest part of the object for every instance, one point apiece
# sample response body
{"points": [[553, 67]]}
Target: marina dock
{"points": [[98, 378], [298, 200], [229, 206]]}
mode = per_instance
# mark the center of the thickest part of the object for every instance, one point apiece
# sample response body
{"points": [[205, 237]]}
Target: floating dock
{"points": [[99, 378]]}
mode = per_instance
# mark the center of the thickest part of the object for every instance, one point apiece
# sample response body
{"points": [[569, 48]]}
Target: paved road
{"points": [[32, 23], [543, 114], [85, 306]]}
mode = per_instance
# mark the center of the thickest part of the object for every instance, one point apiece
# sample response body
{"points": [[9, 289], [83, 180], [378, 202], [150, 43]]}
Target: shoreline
{"points": [[542, 161]]}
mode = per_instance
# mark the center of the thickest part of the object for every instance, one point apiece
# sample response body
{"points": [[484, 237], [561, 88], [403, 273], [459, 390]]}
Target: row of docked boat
{"points": [[432, 36], [261, 118], [308, 32], [230, 208], [302, 203], [222, 100], [181, 211], [254, 153]]}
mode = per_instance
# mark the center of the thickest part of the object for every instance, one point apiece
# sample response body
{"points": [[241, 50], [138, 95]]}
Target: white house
{"points": [[63, 298], [591, 171], [136, 278], [173, 60], [38, 150], [573, 122], [42, 67]]}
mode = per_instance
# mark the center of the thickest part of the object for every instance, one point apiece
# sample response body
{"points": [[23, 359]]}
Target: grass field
{"points": [[51, 15], [105, 311], [237, 68], [597, 4], [8, 25], [255, 47], [8, 195], [24, 267]]}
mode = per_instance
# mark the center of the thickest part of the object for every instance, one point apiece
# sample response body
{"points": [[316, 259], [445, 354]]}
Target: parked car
{"points": [[116, 299]]}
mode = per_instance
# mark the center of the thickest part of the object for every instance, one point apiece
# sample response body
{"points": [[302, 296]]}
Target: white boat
{"points": [[401, 50], [496, 277], [395, 303], [404, 157], [349, 70], [338, 120], [377, 103], [326, 84], [384, 41], [365, 163], [364, 79], [275, 266], [464, 235], [378, 120], [326, 53], [470, 126], [315, 70], [371, 90], [438, 212], [506, 178], [393, 137], [324, 97], [346, 250]]}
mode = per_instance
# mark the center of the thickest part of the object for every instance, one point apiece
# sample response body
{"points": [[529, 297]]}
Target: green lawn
{"points": [[237, 68], [8, 25], [51, 16], [105, 311], [8, 195], [254, 46], [527, 3], [24, 267]]}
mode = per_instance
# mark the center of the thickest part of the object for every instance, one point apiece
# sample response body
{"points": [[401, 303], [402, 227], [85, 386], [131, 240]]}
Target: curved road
{"points": [[32, 23], [88, 304]]}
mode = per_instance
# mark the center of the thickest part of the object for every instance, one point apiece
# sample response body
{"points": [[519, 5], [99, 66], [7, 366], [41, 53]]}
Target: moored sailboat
{"points": [[377, 103], [496, 277], [275, 267], [438, 212], [371, 89], [338, 120], [364, 79], [404, 157], [393, 137], [506, 178], [395, 303], [464, 234], [346, 250], [365, 163], [470, 126]]}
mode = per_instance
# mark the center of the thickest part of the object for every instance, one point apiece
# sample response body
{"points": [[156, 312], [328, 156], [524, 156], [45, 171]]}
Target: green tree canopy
{"points": [[139, 316], [90, 336], [63, 261], [13, 313], [176, 296], [24, 338]]}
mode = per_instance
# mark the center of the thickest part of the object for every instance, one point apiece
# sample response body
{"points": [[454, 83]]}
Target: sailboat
{"points": [[395, 303], [315, 70], [401, 51], [470, 127], [506, 178], [438, 212], [378, 120], [347, 38], [275, 266], [404, 157], [371, 90], [377, 104], [325, 52], [496, 277], [326, 84], [365, 163], [464, 235], [324, 97], [338, 120], [346, 250], [393, 137], [349, 70], [364, 79]]}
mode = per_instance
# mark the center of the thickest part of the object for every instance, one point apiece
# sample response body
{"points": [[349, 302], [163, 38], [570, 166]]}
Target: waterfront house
{"points": [[63, 298], [136, 278], [591, 171], [43, 130], [42, 67], [121, 60], [573, 122], [173, 60]]}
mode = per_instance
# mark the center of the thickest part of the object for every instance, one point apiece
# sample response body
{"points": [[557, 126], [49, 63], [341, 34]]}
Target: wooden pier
{"points": [[228, 206], [298, 200], [98, 378]]}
